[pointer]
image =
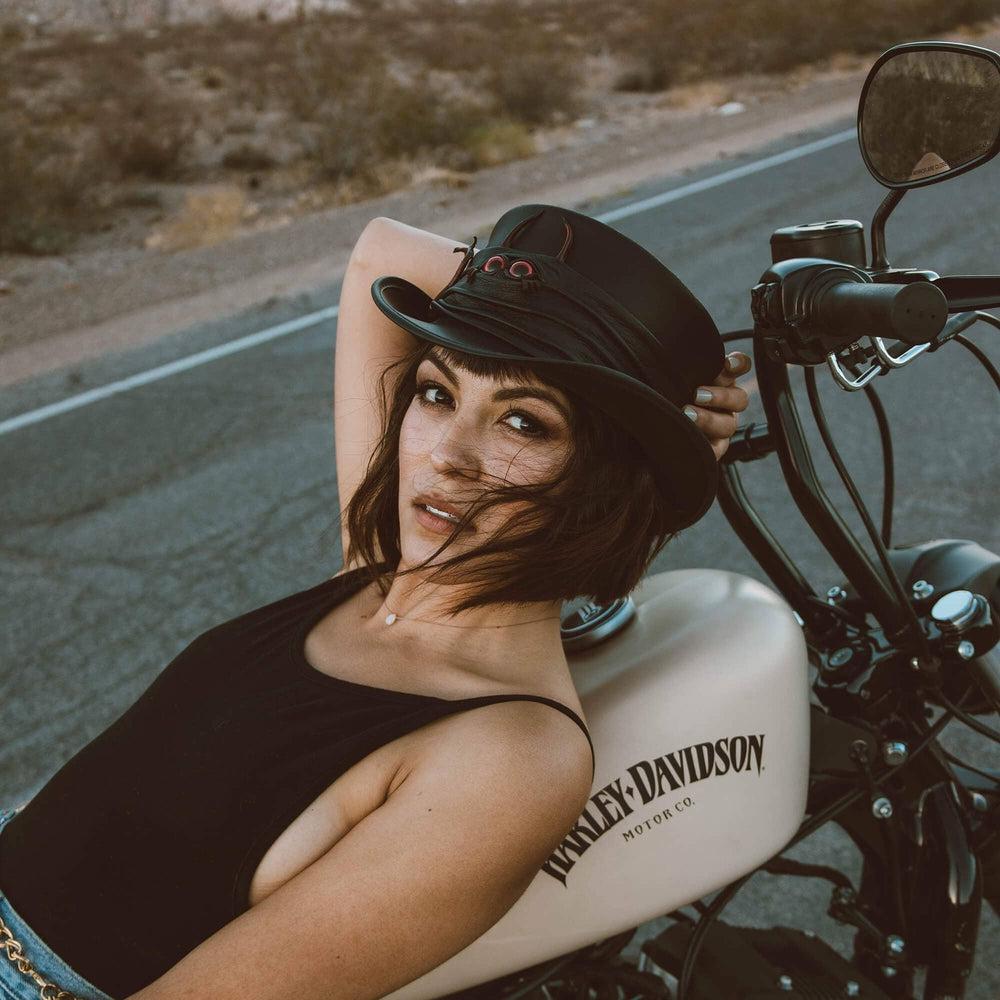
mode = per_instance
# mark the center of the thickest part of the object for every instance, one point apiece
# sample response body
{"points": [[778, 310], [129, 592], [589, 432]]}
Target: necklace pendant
{"points": [[390, 618]]}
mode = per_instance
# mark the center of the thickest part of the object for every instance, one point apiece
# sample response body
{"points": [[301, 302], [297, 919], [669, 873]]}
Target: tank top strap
{"points": [[488, 699]]}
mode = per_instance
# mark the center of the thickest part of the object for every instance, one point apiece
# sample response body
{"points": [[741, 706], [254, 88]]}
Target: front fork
{"points": [[943, 898]]}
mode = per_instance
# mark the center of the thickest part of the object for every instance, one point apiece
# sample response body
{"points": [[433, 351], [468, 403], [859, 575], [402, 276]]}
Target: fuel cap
{"points": [[591, 623]]}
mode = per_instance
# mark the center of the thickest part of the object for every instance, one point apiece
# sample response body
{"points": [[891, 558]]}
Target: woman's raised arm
{"points": [[367, 340]]}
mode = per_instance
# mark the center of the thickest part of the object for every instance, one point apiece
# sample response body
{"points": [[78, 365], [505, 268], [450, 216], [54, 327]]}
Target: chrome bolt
{"points": [[895, 753], [841, 656], [895, 944], [852, 989], [979, 802], [914, 663], [881, 807], [785, 983], [922, 589], [888, 971], [966, 650], [836, 595]]}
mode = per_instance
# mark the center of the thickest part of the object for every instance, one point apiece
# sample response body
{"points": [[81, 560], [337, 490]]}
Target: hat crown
{"points": [[688, 339]]}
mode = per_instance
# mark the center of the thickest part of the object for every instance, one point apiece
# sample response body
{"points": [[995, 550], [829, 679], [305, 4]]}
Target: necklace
{"points": [[393, 617]]}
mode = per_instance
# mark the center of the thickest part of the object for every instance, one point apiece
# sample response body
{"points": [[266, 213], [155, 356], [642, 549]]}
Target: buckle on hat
{"points": [[516, 269]]}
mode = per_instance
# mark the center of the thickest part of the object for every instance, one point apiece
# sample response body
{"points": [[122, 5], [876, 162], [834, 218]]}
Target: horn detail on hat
{"points": [[567, 243], [512, 235]]}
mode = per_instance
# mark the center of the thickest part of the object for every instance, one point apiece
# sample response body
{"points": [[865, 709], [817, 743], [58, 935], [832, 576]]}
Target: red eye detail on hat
{"points": [[521, 269], [494, 263]]}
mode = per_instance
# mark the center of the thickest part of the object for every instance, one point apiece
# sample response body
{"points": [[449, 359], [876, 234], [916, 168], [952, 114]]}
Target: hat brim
{"points": [[681, 457]]}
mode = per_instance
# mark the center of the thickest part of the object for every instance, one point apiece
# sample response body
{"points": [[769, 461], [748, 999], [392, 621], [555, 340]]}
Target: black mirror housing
{"points": [[929, 111]]}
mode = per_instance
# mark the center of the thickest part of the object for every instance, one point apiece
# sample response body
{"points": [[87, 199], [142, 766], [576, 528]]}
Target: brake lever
{"points": [[845, 381], [896, 361], [887, 362]]}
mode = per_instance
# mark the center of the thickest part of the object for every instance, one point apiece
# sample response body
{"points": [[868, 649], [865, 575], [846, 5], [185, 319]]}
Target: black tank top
{"points": [[145, 842]]}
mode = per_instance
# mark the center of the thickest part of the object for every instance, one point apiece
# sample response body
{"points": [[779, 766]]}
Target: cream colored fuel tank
{"points": [[699, 713]]}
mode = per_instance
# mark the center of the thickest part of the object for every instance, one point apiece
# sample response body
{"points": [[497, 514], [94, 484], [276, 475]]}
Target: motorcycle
{"points": [[708, 774]]}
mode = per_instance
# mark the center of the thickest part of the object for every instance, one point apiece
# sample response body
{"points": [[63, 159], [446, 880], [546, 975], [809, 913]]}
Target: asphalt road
{"points": [[132, 524]]}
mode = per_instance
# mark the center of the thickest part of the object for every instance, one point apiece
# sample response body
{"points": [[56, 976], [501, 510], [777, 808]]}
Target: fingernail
{"points": [[703, 396], [690, 411], [734, 362]]}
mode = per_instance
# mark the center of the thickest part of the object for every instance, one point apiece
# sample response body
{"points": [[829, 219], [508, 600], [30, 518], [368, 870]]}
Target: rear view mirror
{"points": [[929, 111]]}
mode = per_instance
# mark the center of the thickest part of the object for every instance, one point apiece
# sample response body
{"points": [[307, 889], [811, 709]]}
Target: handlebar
{"points": [[809, 308], [912, 313]]}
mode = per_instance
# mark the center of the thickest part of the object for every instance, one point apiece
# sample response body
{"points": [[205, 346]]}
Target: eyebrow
{"points": [[515, 392]]}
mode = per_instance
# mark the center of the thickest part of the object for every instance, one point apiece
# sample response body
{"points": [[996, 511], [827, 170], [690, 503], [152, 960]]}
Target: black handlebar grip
{"points": [[915, 313]]}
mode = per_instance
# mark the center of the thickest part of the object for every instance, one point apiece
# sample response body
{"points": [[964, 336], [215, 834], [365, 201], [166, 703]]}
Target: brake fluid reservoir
{"points": [[842, 240], [698, 707]]}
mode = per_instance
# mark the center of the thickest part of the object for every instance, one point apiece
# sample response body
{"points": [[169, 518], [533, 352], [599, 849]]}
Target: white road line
{"points": [[171, 368], [707, 183], [313, 319]]}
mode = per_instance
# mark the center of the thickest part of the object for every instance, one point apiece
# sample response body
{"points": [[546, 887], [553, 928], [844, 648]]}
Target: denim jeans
{"points": [[16, 985]]}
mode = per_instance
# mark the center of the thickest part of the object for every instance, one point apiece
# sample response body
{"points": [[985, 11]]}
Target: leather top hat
{"points": [[595, 314]]}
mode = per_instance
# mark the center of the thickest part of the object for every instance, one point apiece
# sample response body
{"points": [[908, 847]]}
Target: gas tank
{"points": [[699, 713]]}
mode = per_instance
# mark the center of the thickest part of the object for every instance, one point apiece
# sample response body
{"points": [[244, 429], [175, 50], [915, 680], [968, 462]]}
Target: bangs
{"points": [[499, 369]]}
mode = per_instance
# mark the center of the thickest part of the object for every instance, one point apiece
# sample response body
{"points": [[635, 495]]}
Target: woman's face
{"points": [[463, 433]]}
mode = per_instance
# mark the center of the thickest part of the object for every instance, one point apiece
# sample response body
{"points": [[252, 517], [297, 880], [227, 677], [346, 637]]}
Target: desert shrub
{"points": [[534, 84], [649, 74], [47, 189], [11, 33], [143, 130], [666, 43], [213, 78], [247, 156], [382, 118], [144, 136], [309, 64], [491, 143]]}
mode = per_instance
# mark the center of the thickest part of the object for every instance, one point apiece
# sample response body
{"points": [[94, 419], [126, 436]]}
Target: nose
{"points": [[456, 450]]}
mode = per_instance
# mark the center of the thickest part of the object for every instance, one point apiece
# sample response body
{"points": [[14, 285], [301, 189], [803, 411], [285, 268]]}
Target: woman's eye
{"points": [[529, 426], [423, 389], [534, 429]]}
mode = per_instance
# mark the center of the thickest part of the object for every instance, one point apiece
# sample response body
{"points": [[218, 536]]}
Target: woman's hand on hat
{"points": [[716, 406]]}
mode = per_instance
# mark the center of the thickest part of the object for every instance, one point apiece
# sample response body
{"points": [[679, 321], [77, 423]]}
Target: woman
{"points": [[303, 804]]}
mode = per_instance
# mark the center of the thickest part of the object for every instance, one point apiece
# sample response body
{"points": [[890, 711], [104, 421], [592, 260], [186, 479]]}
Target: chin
{"points": [[417, 544]]}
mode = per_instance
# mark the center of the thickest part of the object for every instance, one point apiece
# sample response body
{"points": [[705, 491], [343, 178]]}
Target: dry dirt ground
{"points": [[146, 283]]}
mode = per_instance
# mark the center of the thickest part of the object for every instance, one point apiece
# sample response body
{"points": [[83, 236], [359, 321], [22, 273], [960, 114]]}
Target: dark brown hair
{"points": [[592, 529]]}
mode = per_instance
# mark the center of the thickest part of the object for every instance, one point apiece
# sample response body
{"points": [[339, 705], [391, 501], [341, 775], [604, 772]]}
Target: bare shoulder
{"points": [[527, 748]]}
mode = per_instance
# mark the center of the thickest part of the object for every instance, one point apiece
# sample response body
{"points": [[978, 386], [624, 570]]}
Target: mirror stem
{"points": [[891, 200]]}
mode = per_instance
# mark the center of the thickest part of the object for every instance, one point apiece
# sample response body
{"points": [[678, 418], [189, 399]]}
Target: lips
{"points": [[440, 503]]}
